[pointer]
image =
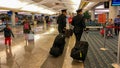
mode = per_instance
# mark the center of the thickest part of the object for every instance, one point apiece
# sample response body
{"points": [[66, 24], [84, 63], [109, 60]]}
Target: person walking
{"points": [[61, 21], [79, 24], [26, 27], [7, 34]]}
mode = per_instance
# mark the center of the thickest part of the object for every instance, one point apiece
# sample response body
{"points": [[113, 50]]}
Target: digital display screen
{"points": [[115, 2]]}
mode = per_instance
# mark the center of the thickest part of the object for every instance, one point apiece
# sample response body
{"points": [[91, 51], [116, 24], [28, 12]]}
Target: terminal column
{"points": [[45, 25], [92, 14], [113, 11], [33, 19], [13, 18]]}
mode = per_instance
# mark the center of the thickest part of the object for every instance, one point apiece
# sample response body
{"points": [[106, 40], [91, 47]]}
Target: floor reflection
{"points": [[29, 48], [9, 57]]}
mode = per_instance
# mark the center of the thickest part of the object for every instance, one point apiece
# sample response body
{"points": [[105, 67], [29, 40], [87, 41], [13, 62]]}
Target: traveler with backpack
{"points": [[26, 27], [27, 31]]}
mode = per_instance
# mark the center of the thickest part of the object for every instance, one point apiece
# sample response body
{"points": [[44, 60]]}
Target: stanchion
{"points": [[104, 49], [0, 62], [117, 65]]}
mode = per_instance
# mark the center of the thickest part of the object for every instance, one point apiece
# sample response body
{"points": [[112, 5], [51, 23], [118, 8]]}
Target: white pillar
{"points": [[113, 11], [93, 15], [33, 19], [32, 16], [45, 25], [13, 19]]}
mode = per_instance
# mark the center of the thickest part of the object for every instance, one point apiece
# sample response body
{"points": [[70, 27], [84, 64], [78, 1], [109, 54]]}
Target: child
{"points": [[7, 34]]}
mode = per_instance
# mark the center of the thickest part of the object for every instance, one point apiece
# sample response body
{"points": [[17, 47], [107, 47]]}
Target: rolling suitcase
{"points": [[79, 52], [58, 45]]}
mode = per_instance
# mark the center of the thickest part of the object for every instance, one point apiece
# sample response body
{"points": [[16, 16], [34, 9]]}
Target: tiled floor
{"points": [[36, 53]]}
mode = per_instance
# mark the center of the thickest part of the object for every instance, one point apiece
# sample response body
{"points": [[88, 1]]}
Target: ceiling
{"points": [[48, 6], [90, 4], [57, 5], [95, 0], [42, 6]]}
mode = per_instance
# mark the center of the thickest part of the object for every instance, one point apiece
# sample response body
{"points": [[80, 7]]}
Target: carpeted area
{"points": [[97, 58]]}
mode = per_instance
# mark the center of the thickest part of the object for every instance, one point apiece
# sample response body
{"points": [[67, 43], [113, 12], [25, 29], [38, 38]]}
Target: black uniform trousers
{"points": [[117, 29], [78, 36], [61, 29]]}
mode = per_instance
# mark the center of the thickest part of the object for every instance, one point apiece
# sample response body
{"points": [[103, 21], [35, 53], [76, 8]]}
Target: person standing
{"points": [[117, 24], [61, 21], [26, 29], [79, 24], [109, 29]]}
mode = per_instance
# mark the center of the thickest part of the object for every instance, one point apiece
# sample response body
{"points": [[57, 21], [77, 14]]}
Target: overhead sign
{"points": [[9, 13], [115, 2]]}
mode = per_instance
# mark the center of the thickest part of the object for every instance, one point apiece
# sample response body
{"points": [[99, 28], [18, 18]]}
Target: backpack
{"points": [[26, 26]]}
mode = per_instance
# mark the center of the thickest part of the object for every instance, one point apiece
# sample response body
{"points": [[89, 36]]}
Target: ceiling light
{"points": [[76, 4], [89, 5], [12, 3], [32, 7], [99, 7]]}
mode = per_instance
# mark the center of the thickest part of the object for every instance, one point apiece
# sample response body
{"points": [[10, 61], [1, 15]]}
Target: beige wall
{"points": [[113, 11]]}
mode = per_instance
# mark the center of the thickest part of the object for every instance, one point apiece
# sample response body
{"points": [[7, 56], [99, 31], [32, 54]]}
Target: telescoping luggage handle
{"points": [[86, 37]]}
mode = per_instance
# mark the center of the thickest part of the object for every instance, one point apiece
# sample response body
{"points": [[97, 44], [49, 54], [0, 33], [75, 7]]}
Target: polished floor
{"points": [[35, 53]]}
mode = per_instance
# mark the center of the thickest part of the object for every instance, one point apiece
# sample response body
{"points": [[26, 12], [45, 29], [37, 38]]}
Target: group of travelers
{"points": [[113, 24], [8, 34], [78, 22]]}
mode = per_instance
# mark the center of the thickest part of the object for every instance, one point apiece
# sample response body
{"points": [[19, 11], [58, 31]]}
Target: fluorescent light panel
{"points": [[31, 7], [17, 4], [76, 4], [89, 5], [12, 3], [100, 7]]}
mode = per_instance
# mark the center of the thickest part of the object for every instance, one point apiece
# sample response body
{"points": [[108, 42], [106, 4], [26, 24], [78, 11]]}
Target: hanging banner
{"points": [[101, 18]]}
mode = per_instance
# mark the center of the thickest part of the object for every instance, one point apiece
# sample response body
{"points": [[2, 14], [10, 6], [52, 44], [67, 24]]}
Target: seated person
{"points": [[109, 29]]}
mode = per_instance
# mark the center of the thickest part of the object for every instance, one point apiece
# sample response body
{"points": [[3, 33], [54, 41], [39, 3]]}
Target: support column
{"points": [[113, 11], [92, 14], [13, 19], [33, 19], [45, 25]]}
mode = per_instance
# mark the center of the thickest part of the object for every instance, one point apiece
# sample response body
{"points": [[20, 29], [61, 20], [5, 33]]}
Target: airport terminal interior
{"points": [[32, 50]]}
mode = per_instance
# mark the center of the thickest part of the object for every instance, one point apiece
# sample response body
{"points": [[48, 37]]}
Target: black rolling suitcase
{"points": [[79, 52], [58, 45]]}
